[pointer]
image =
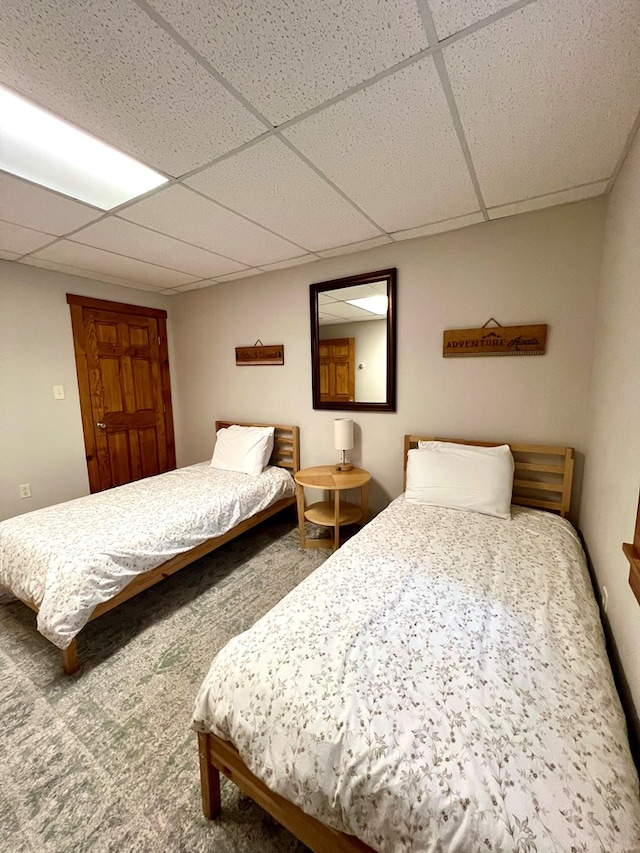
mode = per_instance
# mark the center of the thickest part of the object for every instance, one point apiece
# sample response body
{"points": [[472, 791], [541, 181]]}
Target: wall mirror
{"points": [[353, 342]]}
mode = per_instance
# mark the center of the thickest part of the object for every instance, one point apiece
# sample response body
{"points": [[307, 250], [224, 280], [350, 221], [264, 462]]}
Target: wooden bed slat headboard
{"points": [[286, 443], [543, 473]]}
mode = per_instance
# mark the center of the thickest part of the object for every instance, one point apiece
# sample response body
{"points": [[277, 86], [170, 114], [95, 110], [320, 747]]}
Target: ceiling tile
{"points": [[271, 184], [15, 238], [287, 56], [564, 197], [292, 262], [439, 227], [33, 261], [356, 144], [535, 92], [96, 260], [356, 247], [236, 275], [126, 238], [197, 285], [181, 213], [451, 16], [26, 204], [109, 69]]}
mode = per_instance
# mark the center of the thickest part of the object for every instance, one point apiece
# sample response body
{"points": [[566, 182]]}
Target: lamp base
{"points": [[343, 466]]}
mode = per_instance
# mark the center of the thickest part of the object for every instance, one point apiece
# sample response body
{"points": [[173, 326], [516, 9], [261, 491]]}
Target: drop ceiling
{"points": [[293, 130]]}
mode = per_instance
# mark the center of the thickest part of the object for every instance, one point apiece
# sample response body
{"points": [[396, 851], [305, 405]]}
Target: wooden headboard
{"points": [[286, 443], [543, 474]]}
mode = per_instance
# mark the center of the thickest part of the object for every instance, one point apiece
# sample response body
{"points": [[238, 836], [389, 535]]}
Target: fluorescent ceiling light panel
{"points": [[374, 304], [53, 153]]}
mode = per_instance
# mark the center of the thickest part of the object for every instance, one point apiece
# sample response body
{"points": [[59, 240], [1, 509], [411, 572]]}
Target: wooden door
{"points": [[337, 370], [125, 397]]}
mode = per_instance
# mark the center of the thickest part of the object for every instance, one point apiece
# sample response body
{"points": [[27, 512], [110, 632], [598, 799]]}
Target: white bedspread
{"points": [[440, 683], [70, 557]]}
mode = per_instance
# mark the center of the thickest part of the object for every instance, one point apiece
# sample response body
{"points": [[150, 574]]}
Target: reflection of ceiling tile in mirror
{"points": [[358, 291], [342, 312], [334, 305]]}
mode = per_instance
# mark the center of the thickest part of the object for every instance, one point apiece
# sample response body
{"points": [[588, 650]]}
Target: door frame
{"points": [[76, 305]]}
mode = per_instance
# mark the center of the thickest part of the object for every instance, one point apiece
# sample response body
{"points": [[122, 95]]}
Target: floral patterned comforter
{"points": [[440, 683], [70, 557]]}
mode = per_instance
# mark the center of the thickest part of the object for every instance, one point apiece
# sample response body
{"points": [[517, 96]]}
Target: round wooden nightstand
{"points": [[332, 513]]}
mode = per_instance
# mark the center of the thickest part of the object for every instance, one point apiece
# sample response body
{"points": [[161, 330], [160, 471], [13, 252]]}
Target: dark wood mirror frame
{"points": [[389, 404]]}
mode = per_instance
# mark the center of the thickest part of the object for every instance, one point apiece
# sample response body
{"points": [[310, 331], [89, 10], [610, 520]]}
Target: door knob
{"points": [[101, 425]]}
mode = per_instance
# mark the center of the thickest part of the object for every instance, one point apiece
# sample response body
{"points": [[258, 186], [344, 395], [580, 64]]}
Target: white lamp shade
{"points": [[343, 433]]}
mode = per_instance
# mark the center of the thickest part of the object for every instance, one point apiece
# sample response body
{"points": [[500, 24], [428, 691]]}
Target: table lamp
{"points": [[343, 441]]}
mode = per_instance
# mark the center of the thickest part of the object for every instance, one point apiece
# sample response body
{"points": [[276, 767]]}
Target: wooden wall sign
{"points": [[260, 354], [495, 340], [632, 553]]}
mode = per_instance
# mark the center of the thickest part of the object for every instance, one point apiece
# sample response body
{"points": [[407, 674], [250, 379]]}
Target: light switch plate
{"points": [[58, 392]]}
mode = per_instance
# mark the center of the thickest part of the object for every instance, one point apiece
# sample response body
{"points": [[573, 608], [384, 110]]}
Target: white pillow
{"points": [[243, 449], [459, 476]]}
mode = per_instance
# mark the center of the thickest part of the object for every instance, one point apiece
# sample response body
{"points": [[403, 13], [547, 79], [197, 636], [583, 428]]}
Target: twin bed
{"points": [[74, 561], [440, 683]]}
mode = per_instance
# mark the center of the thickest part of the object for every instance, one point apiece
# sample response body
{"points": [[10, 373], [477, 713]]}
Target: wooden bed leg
{"points": [[209, 779], [70, 658]]}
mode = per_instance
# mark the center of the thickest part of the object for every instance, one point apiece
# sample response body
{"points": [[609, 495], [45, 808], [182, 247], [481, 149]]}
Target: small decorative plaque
{"points": [[260, 355]]}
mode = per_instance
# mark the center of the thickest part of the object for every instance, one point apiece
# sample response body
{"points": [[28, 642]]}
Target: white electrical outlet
{"points": [[58, 392], [25, 490], [605, 599]]}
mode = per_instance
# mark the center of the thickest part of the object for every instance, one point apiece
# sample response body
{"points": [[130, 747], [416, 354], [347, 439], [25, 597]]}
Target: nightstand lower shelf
{"points": [[323, 513]]}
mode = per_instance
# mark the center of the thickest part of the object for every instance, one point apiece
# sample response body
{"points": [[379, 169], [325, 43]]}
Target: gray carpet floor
{"points": [[105, 760]]}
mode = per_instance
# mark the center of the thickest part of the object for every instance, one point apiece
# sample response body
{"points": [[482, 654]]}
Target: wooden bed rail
{"points": [[543, 473], [219, 756]]}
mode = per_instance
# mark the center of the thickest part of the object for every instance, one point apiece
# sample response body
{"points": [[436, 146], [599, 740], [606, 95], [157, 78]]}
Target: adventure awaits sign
{"points": [[495, 340]]}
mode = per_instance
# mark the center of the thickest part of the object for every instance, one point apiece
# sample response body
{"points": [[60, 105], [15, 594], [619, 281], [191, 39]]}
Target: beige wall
{"points": [[539, 267], [612, 469], [41, 438]]}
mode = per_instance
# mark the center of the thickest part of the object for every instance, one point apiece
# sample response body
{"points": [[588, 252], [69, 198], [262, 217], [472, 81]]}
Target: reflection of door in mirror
{"points": [[337, 370], [359, 315], [368, 357]]}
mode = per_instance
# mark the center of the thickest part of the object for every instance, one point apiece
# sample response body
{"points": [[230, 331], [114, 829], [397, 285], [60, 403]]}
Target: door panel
{"points": [[123, 380], [119, 459], [337, 370], [149, 460]]}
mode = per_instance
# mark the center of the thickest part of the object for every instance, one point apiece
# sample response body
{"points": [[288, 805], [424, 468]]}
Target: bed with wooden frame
{"points": [[285, 454], [542, 480]]}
